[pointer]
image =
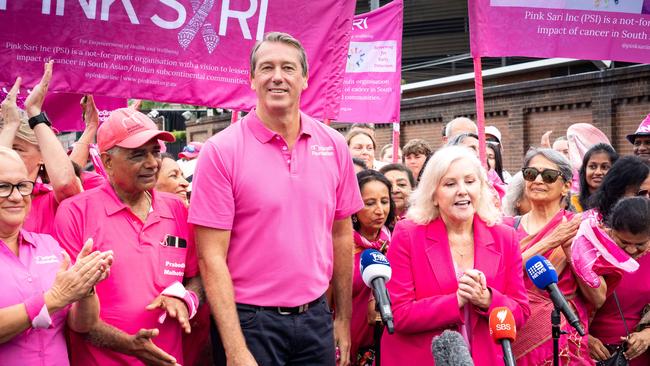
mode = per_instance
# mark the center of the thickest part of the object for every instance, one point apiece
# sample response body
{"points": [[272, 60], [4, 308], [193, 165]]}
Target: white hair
{"points": [[422, 210]]}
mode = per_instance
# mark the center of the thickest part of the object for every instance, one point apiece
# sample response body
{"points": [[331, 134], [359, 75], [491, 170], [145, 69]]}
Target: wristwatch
{"points": [[37, 119]]}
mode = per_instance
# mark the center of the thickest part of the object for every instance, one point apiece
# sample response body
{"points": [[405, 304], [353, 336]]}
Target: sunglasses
{"points": [[548, 175], [643, 193]]}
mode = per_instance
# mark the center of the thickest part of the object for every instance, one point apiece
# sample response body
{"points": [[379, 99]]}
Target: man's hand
{"points": [[175, 308], [142, 347], [34, 101], [342, 340], [8, 108], [637, 343], [597, 349]]}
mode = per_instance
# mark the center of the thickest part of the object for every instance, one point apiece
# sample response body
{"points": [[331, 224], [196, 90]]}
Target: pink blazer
{"points": [[423, 290]]}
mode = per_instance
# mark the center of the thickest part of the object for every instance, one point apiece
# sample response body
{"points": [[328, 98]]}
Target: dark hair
{"points": [[356, 132], [368, 176], [583, 198], [417, 147], [498, 160], [630, 214], [402, 168], [424, 165], [360, 163], [369, 126], [628, 171], [166, 155]]}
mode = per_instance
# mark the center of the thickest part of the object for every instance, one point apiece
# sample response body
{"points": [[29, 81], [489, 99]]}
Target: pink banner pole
{"points": [[480, 110], [234, 116], [396, 133]]}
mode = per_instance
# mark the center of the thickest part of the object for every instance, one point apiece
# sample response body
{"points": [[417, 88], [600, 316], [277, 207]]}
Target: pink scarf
{"points": [[381, 244]]}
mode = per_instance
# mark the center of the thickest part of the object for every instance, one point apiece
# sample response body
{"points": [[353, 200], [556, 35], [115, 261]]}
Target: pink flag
{"points": [[371, 87], [64, 110], [584, 29], [185, 51]]}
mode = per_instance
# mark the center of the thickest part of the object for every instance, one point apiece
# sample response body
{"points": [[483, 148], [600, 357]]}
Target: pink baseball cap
{"points": [[643, 130], [191, 151], [129, 129]]}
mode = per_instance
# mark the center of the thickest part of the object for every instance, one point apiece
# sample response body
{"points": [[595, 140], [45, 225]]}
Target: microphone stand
{"points": [[556, 332]]}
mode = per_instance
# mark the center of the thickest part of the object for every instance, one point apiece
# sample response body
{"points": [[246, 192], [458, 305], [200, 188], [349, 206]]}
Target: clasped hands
{"points": [[73, 283], [472, 288]]}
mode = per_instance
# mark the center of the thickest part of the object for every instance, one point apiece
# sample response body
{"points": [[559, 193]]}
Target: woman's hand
{"points": [[90, 112], [76, 282], [597, 349], [637, 343], [34, 101], [8, 108], [564, 233], [472, 287]]}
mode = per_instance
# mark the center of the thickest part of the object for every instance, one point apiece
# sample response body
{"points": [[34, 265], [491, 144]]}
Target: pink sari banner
{"points": [[64, 110], [183, 51], [584, 29], [373, 73]]}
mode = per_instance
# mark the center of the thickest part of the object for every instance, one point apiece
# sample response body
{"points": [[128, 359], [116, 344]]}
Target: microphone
{"points": [[543, 274], [375, 271], [504, 330], [450, 349]]}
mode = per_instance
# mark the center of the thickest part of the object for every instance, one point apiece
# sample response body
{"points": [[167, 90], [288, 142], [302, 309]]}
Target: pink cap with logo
{"points": [[643, 130], [129, 129]]}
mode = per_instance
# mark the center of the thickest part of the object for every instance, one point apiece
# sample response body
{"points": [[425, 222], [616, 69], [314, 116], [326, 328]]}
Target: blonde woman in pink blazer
{"points": [[452, 264]]}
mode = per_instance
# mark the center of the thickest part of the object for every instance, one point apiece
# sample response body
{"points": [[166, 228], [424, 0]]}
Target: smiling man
{"points": [[641, 140], [272, 199], [152, 291]]}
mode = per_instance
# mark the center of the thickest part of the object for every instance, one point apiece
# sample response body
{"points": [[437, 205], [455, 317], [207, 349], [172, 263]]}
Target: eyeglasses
{"points": [[25, 188], [643, 193], [548, 175]]}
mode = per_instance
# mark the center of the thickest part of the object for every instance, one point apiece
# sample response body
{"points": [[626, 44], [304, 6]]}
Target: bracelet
{"points": [[37, 312], [179, 291]]}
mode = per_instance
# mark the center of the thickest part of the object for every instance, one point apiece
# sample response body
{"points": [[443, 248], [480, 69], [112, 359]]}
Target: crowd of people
{"points": [[246, 250]]}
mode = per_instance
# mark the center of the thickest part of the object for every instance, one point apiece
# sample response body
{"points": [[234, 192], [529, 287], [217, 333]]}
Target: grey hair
{"points": [[514, 193], [458, 139], [554, 157], [451, 123], [280, 37]]}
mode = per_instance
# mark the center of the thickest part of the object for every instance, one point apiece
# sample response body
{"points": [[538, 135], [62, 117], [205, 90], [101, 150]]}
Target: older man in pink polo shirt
{"points": [[151, 294], [272, 200]]}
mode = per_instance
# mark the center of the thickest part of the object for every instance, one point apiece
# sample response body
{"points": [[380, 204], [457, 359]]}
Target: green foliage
{"points": [[179, 135]]}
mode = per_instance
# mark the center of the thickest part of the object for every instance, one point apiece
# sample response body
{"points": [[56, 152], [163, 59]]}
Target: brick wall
{"points": [[614, 100]]}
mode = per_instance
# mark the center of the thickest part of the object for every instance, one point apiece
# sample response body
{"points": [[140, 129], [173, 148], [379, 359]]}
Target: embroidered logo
{"points": [[318, 150], [46, 259]]}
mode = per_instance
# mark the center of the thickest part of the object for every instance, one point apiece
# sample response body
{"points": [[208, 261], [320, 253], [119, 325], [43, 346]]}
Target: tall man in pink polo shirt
{"points": [[144, 304], [272, 200]]}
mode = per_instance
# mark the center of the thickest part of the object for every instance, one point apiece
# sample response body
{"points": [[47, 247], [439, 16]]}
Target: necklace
{"points": [[461, 253]]}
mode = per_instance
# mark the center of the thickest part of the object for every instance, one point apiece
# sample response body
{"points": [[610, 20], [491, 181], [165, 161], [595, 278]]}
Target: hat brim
{"points": [[633, 136], [145, 136], [187, 155]]}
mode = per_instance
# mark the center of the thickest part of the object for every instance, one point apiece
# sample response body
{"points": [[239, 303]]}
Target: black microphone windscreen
{"points": [[450, 349]]}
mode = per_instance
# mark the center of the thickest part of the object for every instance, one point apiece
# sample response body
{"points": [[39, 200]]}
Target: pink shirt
{"points": [[40, 218], [633, 293], [279, 205], [143, 267], [32, 273]]}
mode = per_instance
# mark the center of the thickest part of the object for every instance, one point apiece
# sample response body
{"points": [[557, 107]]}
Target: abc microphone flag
{"points": [[504, 331]]}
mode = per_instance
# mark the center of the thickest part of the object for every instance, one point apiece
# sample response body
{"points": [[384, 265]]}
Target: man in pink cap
{"points": [[272, 200], [641, 139], [153, 287]]}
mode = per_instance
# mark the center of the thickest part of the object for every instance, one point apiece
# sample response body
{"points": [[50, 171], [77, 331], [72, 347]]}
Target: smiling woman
{"points": [[452, 263]]}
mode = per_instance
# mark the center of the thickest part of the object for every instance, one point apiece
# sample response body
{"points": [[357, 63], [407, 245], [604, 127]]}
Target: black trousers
{"points": [[276, 339]]}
